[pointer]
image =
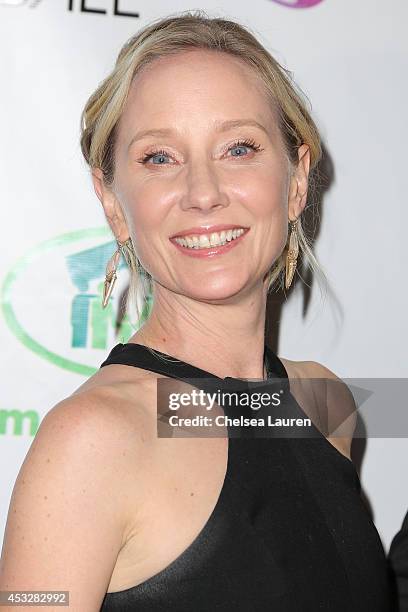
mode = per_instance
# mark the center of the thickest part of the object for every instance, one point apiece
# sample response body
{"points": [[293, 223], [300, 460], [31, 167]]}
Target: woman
{"points": [[201, 153]]}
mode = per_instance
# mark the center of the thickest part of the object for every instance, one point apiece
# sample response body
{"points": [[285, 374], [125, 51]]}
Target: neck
{"points": [[224, 339]]}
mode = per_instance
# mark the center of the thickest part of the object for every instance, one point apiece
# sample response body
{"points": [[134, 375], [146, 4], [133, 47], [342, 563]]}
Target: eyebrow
{"points": [[220, 126]]}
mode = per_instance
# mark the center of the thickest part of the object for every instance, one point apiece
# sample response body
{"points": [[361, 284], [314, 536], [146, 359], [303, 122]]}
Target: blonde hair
{"points": [[173, 34]]}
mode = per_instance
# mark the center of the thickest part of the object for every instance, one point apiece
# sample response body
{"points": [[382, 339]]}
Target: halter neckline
{"points": [[274, 366]]}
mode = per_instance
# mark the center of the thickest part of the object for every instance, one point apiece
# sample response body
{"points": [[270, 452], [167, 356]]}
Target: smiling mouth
{"points": [[210, 240]]}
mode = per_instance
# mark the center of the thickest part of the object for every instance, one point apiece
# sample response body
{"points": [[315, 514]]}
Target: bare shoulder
{"points": [[71, 504], [122, 378], [327, 399], [112, 413], [308, 369]]}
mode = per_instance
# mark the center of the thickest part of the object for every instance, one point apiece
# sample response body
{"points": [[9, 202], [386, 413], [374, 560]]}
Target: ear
{"points": [[113, 210], [299, 184]]}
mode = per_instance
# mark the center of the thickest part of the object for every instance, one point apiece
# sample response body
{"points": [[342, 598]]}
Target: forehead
{"points": [[194, 88]]}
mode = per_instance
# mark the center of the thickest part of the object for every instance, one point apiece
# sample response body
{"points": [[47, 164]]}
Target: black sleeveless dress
{"points": [[289, 532]]}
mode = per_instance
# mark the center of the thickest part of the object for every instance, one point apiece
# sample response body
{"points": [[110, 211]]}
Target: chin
{"points": [[216, 289]]}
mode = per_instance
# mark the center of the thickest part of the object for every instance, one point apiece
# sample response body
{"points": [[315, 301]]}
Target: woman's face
{"points": [[198, 146]]}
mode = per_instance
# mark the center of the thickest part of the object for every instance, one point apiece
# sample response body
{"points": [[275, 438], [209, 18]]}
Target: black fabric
{"points": [[398, 561], [289, 532]]}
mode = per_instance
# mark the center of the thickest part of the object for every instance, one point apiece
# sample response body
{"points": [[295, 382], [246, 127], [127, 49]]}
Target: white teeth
{"points": [[204, 241], [215, 239]]}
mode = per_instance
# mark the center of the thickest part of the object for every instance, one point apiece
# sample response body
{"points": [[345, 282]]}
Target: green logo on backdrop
{"points": [[65, 277], [23, 421]]}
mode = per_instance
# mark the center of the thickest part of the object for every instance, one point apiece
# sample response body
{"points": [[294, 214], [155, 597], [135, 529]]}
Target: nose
{"points": [[203, 190]]}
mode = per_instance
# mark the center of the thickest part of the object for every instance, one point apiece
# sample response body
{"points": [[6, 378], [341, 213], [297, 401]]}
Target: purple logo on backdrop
{"points": [[298, 3]]}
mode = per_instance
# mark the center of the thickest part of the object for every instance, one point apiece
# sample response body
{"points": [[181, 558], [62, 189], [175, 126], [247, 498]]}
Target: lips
{"points": [[206, 229], [208, 251]]}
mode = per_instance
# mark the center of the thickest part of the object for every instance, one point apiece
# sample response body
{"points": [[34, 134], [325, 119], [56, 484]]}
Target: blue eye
{"points": [[152, 155], [245, 144], [238, 147]]}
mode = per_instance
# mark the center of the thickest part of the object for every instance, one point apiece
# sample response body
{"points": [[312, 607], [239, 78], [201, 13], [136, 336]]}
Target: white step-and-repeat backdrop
{"points": [[349, 58]]}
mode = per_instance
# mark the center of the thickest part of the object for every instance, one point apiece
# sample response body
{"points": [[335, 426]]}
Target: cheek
{"points": [[267, 201], [264, 193], [144, 225], [146, 212], [142, 203]]}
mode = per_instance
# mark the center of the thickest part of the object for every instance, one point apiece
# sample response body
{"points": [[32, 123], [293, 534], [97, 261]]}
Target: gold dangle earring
{"points": [[292, 255], [110, 276]]}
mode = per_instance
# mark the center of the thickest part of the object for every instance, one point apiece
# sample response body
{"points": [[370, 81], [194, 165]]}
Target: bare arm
{"points": [[68, 518]]}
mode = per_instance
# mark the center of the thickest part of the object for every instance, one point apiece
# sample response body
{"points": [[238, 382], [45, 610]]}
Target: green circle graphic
{"points": [[7, 308]]}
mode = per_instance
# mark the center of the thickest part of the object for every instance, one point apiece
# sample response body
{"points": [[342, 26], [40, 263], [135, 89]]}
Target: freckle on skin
{"points": [[191, 494], [48, 460], [45, 497]]}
